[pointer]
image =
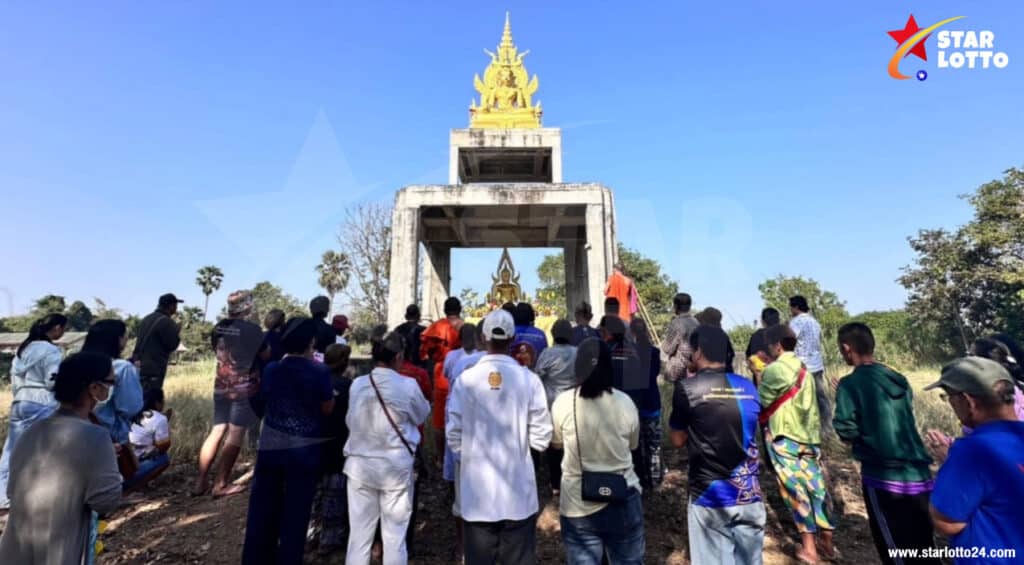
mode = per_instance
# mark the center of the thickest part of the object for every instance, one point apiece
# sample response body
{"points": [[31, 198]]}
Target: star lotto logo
{"points": [[957, 49]]}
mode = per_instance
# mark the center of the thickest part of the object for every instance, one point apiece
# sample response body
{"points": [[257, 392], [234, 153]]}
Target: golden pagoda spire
{"points": [[505, 92]]}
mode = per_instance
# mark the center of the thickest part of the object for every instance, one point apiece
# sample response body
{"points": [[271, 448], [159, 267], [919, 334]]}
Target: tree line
{"points": [[964, 283]]}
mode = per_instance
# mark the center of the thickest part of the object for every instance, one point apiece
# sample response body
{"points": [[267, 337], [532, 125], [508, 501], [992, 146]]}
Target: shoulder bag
{"points": [[390, 419], [598, 486]]}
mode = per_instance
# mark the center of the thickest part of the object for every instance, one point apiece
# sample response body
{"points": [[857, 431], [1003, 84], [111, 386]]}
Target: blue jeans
{"points": [[616, 530], [23, 415], [731, 534], [148, 467]]}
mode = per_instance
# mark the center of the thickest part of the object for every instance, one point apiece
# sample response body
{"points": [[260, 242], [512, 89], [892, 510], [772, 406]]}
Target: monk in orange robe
{"points": [[621, 288], [436, 341]]}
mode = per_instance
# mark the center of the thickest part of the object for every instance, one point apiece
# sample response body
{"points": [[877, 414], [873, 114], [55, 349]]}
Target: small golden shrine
{"points": [[506, 90], [506, 283]]}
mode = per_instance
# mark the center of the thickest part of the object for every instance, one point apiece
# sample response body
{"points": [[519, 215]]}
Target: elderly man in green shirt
{"points": [[792, 438]]}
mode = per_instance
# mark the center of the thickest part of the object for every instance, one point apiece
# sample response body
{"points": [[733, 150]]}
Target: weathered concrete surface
{"points": [[502, 155], [578, 218]]}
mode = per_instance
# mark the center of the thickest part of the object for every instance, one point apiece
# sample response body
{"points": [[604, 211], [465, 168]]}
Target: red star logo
{"points": [[901, 35]]}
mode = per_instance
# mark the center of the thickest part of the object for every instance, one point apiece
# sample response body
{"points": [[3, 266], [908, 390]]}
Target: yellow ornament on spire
{"points": [[505, 93]]}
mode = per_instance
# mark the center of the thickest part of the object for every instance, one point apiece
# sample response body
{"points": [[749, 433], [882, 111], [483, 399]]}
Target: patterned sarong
{"points": [[801, 483]]}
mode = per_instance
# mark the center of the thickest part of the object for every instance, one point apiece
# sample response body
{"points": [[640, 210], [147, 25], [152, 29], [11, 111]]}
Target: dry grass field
{"points": [[168, 526]]}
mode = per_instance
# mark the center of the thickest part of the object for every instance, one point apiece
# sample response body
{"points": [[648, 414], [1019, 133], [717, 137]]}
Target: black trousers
{"points": [[509, 542], [899, 521]]}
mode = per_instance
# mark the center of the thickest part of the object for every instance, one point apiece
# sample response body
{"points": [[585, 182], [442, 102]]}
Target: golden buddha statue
{"points": [[505, 287], [506, 90]]}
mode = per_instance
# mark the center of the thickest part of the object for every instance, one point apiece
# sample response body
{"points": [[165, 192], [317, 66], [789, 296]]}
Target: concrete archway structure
{"points": [[505, 190]]}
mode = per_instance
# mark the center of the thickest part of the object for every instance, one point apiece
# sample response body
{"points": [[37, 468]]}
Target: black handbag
{"points": [[598, 486]]}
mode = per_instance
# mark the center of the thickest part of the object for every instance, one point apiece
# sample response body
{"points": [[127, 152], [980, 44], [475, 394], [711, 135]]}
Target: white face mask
{"points": [[107, 387]]}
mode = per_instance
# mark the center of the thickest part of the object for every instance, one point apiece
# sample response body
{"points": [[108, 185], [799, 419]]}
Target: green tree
{"points": [[49, 304], [470, 299], [970, 282], [826, 307], [195, 333], [79, 316], [551, 283], [267, 296], [901, 342], [333, 272], [209, 279], [656, 289], [104, 312]]}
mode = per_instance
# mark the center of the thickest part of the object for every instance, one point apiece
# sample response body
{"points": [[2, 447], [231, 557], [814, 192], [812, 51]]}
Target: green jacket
{"points": [[798, 418], [874, 412]]}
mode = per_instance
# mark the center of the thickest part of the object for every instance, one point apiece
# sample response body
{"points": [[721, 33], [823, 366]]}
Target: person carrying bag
{"points": [[600, 505]]}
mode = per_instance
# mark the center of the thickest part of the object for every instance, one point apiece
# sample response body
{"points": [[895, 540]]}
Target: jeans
{"points": [[23, 415], [509, 542], [731, 534], [147, 467], [824, 404], [283, 487], [617, 530]]}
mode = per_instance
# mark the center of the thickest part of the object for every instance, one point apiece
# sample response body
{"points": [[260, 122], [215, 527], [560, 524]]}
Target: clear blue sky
{"points": [[140, 141]]}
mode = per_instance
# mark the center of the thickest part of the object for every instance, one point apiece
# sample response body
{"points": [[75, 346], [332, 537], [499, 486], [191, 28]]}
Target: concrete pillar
{"points": [[576, 289], [405, 230], [556, 160], [598, 256], [437, 278]]}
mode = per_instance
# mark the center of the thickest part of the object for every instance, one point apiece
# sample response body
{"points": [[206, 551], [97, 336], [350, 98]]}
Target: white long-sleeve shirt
{"points": [[374, 454], [497, 412]]}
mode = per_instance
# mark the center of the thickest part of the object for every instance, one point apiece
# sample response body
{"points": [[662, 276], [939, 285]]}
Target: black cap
{"points": [[713, 343], [168, 300]]}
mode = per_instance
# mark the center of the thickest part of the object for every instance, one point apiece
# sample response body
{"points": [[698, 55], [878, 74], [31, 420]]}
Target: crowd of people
{"points": [[340, 460]]}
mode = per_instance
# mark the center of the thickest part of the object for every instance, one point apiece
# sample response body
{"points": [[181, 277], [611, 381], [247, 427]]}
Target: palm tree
{"points": [[209, 279], [333, 270]]}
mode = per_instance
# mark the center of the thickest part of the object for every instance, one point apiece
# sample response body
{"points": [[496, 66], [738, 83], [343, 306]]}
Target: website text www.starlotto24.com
{"points": [[954, 553]]}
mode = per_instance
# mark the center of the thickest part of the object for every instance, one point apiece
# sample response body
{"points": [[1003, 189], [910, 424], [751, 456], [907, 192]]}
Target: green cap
{"points": [[973, 375]]}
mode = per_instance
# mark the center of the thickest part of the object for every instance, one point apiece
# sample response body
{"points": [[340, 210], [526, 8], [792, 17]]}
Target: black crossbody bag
{"points": [[598, 487]]}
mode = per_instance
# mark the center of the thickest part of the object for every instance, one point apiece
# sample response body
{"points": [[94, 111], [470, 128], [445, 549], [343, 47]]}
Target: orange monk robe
{"points": [[621, 287], [436, 341]]}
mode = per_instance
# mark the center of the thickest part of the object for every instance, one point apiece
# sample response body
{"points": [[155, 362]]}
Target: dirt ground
{"points": [[168, 526]]}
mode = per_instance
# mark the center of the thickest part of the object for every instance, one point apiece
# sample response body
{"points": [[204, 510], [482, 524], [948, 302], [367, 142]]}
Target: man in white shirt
{"points": [[379, 454], [808, 350], [497, 413]]}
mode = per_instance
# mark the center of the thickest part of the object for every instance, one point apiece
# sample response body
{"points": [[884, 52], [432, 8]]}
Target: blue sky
{"points": [[140, 141]]}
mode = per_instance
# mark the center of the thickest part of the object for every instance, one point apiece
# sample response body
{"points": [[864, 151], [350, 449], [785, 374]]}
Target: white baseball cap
{"points": [[499, 325]]}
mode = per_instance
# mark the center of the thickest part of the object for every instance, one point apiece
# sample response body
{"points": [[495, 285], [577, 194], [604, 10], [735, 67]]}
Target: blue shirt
{"points": [[294, 388], [982, 484], [124, 402], [532, 335]]}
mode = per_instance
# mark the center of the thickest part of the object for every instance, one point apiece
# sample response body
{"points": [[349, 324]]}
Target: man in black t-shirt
{"points": [[237, 344], [319, 308], [410, 331], [714, 414]]}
